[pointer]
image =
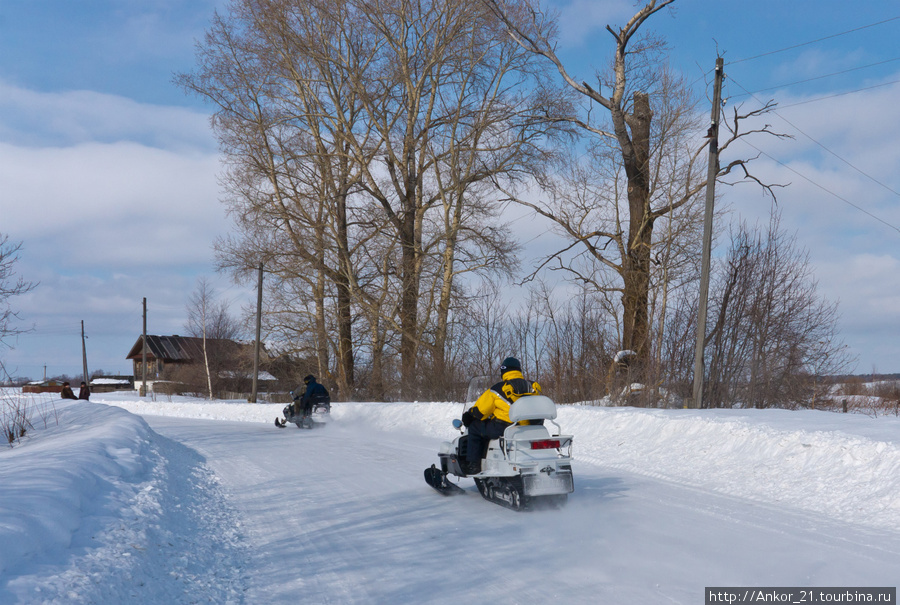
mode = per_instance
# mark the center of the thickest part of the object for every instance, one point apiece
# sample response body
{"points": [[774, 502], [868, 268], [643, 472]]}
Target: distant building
{"points": [[179, 360], [100, 384], [46, 386], [108, 384]]}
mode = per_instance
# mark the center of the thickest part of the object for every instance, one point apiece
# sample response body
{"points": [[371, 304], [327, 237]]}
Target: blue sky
{"points": [[108, 171]]}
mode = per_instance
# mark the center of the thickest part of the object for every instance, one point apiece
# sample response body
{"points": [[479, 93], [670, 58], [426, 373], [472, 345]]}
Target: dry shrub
{"points": [[18, 414]]}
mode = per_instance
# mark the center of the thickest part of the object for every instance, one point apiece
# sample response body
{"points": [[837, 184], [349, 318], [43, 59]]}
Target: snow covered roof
{"points": [[99, 381], [262, 375]]}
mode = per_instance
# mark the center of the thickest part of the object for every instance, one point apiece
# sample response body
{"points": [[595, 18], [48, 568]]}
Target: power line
{"points": [[840, 94], [837, 73], [798, 129], [822, 187], [787, 48]]}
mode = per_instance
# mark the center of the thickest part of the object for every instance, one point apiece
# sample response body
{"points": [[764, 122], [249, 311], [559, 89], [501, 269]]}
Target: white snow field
{"points": [[123, 500]]}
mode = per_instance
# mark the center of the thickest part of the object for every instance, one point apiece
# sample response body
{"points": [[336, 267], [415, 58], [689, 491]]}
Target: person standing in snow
{"points": [[66, 392], [489, 417], [315, 394], [84, 392]]}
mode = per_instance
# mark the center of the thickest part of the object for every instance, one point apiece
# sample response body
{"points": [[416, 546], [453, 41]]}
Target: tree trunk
{"points": [[345, 374], [636, 262], [409, 303]]}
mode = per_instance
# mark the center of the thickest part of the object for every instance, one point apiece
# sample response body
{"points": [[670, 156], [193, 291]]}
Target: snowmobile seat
{"points": [[532, 407]]}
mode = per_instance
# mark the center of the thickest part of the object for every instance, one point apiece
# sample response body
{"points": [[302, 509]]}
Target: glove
{"points": [[468, 418]]}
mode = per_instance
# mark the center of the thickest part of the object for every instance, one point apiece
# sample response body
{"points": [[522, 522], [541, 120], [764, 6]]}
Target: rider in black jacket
{"points": [[315, 394]]}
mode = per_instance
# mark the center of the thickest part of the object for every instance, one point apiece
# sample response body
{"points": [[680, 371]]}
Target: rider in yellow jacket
{"points": [[489, 417], [493, 403]]}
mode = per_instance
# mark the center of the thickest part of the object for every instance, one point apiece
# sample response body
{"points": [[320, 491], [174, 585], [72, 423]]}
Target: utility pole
{"points": [[711, 173], [258, 332], [144, 354], [84, 355]]}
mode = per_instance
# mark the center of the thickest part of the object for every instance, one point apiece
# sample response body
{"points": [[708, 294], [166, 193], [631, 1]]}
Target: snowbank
{"points": [[846, 467], [96, 487]]}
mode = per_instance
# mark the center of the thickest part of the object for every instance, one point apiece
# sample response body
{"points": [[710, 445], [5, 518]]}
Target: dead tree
{"points": [[649, 140]]}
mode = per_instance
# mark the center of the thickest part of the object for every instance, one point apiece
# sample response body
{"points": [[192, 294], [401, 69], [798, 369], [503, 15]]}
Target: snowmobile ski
{"points": [[438, 480], [302, 423]]}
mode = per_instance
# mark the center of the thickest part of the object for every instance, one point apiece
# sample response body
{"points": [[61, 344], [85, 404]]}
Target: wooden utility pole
{"points": [[144, 354], [84, 355], [258, 333], [711, 174]]}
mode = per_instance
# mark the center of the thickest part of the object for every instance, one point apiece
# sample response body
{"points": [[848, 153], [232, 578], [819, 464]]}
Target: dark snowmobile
{"points": [[320, 409], [525, 468]]}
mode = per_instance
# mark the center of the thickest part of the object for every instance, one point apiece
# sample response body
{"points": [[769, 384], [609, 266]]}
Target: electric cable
{"points": [[798, 129], [840, 94], [794, 46], [822, 187], [837, 73]]}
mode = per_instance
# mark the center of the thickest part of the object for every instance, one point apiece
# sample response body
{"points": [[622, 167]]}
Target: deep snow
{"points": [[186, 501]]}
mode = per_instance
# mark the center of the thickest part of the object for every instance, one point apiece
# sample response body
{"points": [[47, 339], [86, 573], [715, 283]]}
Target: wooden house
{"points": [[169, 358]]}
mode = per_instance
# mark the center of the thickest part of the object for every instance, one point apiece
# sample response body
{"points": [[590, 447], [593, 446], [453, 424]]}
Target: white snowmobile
{"points": [[321, 408], [527, 467]]}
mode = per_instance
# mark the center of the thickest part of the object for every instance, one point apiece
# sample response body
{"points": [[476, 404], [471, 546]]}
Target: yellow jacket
{"points": [[495, 402]]}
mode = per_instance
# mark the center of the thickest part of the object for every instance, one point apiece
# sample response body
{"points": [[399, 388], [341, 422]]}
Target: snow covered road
{"points": [[184, 504], [342, 515]]}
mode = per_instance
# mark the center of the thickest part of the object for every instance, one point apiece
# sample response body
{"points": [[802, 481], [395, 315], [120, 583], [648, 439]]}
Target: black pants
{"points": [[480, 432], [298, 408]]}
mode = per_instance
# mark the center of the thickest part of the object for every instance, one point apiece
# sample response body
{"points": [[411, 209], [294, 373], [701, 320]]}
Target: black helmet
{"points": [[309, 378], [510, 363]]}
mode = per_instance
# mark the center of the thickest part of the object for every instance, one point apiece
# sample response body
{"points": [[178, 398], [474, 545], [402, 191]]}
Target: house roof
{"points": [[176, 348]]}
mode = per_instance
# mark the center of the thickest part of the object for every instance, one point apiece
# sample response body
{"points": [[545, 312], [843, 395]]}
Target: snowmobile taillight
{"points": [[545, 444]]}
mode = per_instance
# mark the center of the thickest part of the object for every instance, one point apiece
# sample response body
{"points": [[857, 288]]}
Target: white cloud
{"points": [[581, 20], [113, 200], [815, 62], [33, 118], [853, 255], [133, 204]]}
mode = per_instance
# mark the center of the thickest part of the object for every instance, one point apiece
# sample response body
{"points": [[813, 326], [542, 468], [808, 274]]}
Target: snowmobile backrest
{"points": [[532, 407], [528, 431]]}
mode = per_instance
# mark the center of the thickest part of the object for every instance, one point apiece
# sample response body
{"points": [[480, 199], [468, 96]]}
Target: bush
{"points": [[17, 413]]}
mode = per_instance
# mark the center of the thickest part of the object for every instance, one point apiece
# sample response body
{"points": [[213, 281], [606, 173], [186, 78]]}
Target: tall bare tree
{"points": [[645, 142], [350, 122], [454, 115], [282, 74]]}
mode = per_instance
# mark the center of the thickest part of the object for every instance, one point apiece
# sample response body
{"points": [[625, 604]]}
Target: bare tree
{"points": [[210, 321], [773, 334], [454, 115], [10, 286], [286, 77], [645, 142], [488, 330], [363, 135]]}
